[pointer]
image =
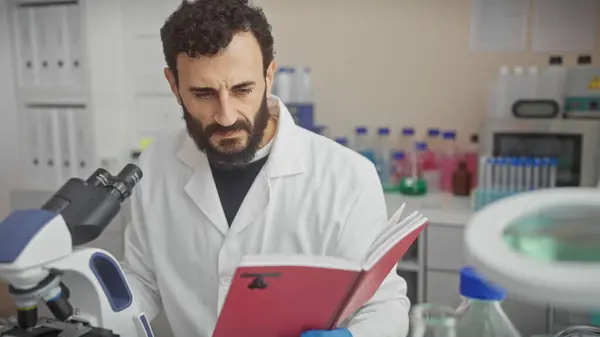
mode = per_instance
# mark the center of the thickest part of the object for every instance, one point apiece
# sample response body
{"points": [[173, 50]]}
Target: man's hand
{"points": [[328, 333]]}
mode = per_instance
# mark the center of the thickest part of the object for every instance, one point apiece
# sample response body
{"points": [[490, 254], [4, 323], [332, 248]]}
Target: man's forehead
{"points": [[240, 61]]}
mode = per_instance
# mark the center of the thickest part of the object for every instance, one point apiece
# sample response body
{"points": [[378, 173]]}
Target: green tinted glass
{"points": [[559, 234]]}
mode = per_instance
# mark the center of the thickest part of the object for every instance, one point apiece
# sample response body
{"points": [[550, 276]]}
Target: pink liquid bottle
{"points": [[448, 160]]}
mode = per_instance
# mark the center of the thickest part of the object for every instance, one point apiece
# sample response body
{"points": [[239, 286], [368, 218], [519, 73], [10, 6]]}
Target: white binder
{"points": [[74, 35], [83, 143], [25, 37], [66, 133], [33, 132], [59, 44], [42, 16], [51, 169]]}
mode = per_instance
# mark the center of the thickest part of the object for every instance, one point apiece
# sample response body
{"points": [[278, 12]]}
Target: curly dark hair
{"points": [[204, 27]]}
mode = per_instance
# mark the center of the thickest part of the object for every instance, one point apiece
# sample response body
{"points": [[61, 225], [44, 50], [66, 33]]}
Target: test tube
{"points": [[537, 163], [489, 168], [514, 164], [553, 168], [482, 187], [497, 181], [528, 173], [520, 174], [545, 172], [504, 166]]}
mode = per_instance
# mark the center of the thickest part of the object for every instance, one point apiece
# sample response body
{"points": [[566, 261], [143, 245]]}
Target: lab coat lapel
{"points": [[201, 186], [287, 158]]}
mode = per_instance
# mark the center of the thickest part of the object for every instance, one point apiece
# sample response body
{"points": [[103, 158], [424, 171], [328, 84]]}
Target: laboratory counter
{"points": [[440, 208]]}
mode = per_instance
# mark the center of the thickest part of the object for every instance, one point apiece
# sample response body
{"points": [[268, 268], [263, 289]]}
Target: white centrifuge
{"points": [[542, 245]]}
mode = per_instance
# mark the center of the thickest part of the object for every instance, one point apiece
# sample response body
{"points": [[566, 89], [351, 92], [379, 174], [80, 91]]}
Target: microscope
{"points": [[84, 288]]}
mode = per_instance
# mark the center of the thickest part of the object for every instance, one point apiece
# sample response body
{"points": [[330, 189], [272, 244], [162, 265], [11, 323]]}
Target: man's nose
{"points": [[226, 115]]}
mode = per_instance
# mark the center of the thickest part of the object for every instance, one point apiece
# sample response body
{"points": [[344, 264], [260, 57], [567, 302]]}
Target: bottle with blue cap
{"points": [[362, 144], [383, 156], [415, 184], [480, 313]]}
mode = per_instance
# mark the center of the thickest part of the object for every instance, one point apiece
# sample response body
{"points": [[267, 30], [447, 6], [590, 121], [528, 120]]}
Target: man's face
{"points": [[224, 100]]}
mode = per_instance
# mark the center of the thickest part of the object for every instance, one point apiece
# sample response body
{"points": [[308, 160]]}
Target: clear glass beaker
{"points": [[432, 320]]}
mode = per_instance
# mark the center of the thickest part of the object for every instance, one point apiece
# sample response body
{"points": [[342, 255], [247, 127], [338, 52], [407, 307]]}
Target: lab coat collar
{"points": [[287, 157]]}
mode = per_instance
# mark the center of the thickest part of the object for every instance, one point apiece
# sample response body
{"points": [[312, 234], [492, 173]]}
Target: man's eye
{"points": [[243, 91], [203, 95]]}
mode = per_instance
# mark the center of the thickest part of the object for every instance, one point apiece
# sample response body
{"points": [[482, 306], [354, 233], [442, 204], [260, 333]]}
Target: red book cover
{"points": [[282, 301], [284, 296]]}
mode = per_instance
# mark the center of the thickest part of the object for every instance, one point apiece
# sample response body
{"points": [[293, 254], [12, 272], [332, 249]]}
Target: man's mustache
{"points": [[239, 125]]}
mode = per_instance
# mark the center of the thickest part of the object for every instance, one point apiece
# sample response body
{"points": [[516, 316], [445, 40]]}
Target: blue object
{"points": [[112, 281], [474, 286], [383, 131], [408, 131], [342, 332], [303, 114], [433, 132], [342, 141], [421, 146], [449, 134], [398, 155], [146, 325], [18, 229], [361, 130]]}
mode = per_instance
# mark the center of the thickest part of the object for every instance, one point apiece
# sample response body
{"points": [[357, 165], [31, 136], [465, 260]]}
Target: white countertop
{"points": [[440, 208]]}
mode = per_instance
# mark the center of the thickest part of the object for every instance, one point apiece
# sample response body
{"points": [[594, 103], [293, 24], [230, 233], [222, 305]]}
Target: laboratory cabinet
{"points": [[67, 57]]}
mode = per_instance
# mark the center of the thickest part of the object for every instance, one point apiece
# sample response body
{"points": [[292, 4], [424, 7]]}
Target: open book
{"points": [[281, 296]]}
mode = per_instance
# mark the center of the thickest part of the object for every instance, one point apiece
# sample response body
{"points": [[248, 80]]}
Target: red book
{"points": [[283, 296]]}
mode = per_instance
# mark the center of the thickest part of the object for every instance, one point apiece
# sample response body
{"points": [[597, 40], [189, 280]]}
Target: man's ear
{"points": [[271, 76], [173, 84]]}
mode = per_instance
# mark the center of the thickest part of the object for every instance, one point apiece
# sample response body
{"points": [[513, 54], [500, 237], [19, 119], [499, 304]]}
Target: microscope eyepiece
{"points": [[130, 175], [100, 178], [124, 182]]}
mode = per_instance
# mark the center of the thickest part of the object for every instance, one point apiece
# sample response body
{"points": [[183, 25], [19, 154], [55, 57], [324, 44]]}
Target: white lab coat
{"points": [[313, 196]]}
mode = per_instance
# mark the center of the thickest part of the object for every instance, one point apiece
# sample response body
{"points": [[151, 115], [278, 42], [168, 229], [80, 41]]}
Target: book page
{"points": [[297, 260], [408, 225], [390, 231]]}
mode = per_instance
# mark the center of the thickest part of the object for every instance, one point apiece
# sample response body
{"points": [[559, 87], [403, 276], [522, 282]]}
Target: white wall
{"points": [[8, 117]]}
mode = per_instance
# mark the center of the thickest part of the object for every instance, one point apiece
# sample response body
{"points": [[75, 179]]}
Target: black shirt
{"points": [[233, 184]]}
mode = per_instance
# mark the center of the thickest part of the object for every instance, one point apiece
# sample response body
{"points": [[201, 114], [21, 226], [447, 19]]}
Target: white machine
{"points": [[543, 246], [85, 289]]}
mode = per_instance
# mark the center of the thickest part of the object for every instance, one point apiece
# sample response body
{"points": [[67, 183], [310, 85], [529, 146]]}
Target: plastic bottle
{"points": [[342, 141], [400, 167], [415, 184], [461, 180], [406, 139], [500, 106], [552, 82], [302, 85], [362, 144], [531, 84], [448, 160], [434, 148], [516, 90], [432, 320], [480, 314], [471, 157], [383, 156], [284, 86]]}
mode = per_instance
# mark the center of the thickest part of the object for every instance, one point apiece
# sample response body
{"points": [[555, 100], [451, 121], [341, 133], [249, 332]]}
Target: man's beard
{"points": [[236, 157]]}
